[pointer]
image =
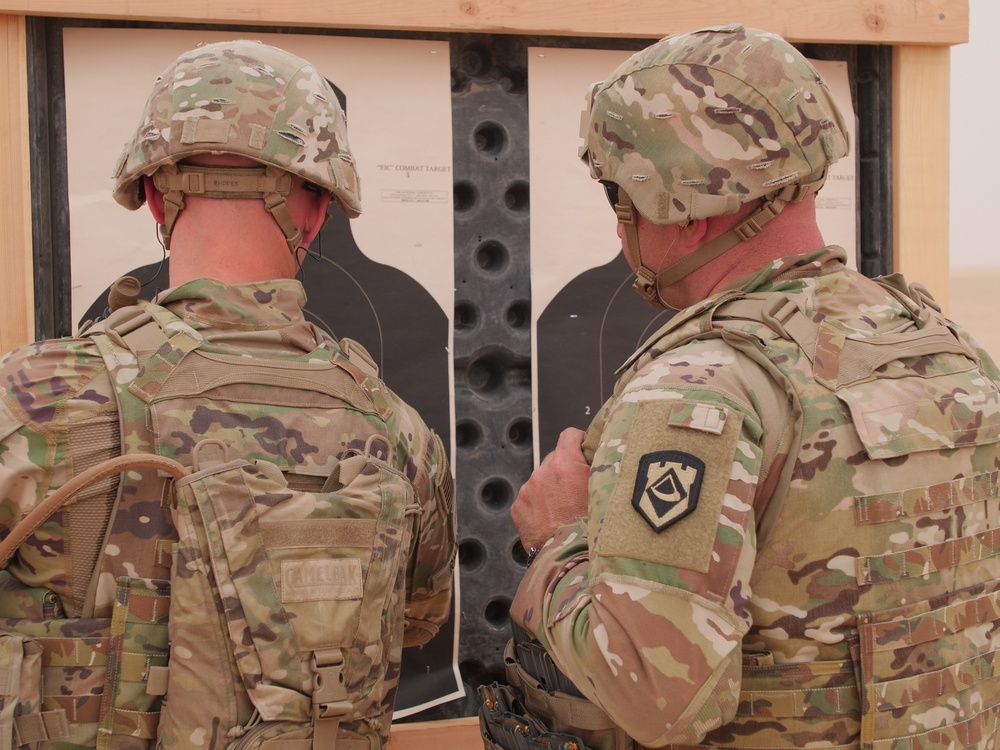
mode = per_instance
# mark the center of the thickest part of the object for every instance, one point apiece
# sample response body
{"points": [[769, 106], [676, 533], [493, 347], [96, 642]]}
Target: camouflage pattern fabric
{"points": [[59, 412], [319, 577], [700, 123], [245, 98], [791, 539]]}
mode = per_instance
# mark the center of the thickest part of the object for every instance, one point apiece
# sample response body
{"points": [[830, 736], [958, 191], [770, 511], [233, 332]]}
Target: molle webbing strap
{"points": [[46, 726], [359, 357], [133, 328], [778, 313], [157, 369], [914, 297], [138, 643], [145, 340]]}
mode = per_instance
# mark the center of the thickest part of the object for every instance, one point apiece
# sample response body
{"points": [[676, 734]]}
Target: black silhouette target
{"points": [[588, 330]]}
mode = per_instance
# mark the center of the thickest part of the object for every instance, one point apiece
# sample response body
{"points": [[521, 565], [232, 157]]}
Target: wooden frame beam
{"points": [[447, 734], [845, 21], [17, 300], [921, 86]]}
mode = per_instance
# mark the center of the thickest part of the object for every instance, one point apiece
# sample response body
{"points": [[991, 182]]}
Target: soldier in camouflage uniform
{"points": [[783, 528], [240, 150]]}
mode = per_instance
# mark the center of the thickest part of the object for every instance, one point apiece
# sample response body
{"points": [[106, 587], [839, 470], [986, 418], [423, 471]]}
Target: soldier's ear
{"points": [[154, 199], [693, 232], [317, 216]]}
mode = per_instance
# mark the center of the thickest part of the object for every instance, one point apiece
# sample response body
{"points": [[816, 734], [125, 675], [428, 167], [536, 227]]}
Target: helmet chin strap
{"points": [[645, 278], [648, 282], [268, 183]]}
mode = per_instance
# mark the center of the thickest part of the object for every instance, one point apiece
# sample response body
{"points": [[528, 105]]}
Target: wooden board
{"points": [[845, 21], [17, 300], [920, 162], [450, 734]]}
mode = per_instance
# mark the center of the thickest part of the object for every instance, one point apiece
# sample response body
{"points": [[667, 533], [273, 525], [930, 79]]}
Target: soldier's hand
{"points": [[555, 493]]}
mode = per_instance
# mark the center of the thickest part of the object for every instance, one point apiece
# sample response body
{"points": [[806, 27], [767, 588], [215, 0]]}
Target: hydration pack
{"points": [[248, 584]]}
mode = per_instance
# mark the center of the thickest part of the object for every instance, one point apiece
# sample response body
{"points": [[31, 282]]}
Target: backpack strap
{"points": [[359, 357], [140, 345], [132, 328]]}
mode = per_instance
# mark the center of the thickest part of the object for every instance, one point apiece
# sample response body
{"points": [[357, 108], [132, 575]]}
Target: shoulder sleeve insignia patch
{"points": [[665, 495], [667, 486]]}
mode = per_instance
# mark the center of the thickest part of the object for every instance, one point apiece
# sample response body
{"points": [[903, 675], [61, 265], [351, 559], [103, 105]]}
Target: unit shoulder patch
{"points": [[667, 486], [666, 491]]}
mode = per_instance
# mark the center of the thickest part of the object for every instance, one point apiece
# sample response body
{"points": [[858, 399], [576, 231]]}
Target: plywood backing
{"points": [[843, 21]]}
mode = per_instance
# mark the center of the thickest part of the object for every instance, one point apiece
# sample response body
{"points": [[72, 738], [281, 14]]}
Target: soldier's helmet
{"points": [[248, 99], [700, 123]]}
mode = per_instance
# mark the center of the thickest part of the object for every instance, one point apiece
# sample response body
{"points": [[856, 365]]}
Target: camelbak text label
{"points": [[317, 580]]}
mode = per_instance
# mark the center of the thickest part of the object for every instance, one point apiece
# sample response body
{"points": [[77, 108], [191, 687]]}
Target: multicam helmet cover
{"points": [[249, 99], [700, 123]]}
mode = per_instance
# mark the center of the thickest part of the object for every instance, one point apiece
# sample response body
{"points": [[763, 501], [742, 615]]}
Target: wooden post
{"points": [[920, 160], [835, 21], [450, 734], [17, 302]]}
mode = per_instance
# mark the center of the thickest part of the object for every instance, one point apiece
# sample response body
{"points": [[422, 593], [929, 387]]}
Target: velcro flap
{"points": [[202, 130], [156, 681], [898, 416], [672, 481]]}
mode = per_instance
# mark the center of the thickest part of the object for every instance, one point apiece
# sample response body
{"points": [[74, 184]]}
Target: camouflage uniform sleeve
{"points": [[643, 605], [23, 450], [50, 392], [433, 550]]}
